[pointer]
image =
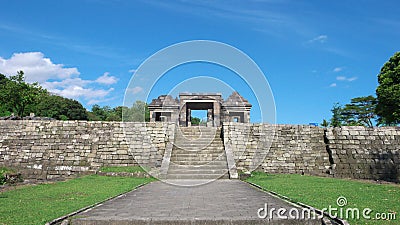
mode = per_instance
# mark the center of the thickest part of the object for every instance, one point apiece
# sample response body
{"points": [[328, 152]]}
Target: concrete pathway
{"points": [[218, 202]]}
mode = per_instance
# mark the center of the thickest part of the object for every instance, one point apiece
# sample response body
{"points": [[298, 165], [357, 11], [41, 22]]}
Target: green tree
{"points": [[360, 112], [388, 92], [60, 108], [100, 113], [139, 112], [337, 119], [5, 109], [325, 123], [195, 121], [116, 113], [17, 95]]}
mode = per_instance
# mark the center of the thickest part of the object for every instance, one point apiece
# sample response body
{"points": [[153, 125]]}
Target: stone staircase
{"points": [[198, 153]]}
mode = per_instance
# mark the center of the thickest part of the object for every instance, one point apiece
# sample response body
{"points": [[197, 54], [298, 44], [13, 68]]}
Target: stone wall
{"points": [[282, 148], [365, 153], [52, 149], [347, 152]]}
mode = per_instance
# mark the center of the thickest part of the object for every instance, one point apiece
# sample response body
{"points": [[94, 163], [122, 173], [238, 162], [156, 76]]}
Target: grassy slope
{"points": [[42, 203], [321, 192], [127, 169]]}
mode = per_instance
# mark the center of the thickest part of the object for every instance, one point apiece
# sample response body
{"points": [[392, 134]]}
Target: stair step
{"points": [[198, 150], [202, 161], [199, 154], [195, 145], [174, 166], [208, 134], [217, 144], [199, 140], [198, 162], [197, 176], [197, 171], [194, 156]]}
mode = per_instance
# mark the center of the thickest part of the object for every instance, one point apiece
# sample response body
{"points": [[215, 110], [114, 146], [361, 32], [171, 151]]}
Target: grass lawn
{"points": [[322, 192], [42, 203], [119, 169]]}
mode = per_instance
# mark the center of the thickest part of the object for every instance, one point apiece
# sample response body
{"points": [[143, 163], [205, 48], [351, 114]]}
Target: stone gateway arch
{"points": [[167, 109]]}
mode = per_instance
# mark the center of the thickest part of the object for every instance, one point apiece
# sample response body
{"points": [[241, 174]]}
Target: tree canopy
{"points": [[139, 112], [22, 98], [359, 112], [61, 108], [337, 119], [16, 95], [388, 92]]}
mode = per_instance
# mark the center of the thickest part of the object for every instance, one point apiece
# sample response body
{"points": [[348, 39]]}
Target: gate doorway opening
{"points": [[203, 110], [198, 117]]}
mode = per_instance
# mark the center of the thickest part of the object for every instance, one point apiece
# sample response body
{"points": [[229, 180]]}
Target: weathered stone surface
{"points": [[366, 153], [66, 148], [279, 148], [53, 149], [348, 152]]}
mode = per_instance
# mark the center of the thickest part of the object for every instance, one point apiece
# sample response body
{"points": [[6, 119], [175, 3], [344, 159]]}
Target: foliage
{"points": [[16, 94], [321, 192], [45, 202], [139, 112], [60, 108], [388, 92], [4, 109], [21, 98], [360, 112], [337, 119], [325, 123], [195, 121], [3, 172], [100, 113]]}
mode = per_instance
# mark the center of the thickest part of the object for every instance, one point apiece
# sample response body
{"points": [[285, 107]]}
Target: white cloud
{"points": [[333, 85], [320, 39], [136, 90], [106, 79], [344, 78], [76, 91], [352, 79], [337, 69], [78, 88], [65, 83], [36, 67], [56, 78], [96, 101]]}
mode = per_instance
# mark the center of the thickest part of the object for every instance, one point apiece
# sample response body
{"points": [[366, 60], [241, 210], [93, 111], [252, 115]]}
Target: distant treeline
{"points": [[382, 110], [21, 99]]}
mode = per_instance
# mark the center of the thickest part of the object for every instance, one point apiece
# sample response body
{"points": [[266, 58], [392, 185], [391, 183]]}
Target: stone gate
{"points": [[167, 109]]}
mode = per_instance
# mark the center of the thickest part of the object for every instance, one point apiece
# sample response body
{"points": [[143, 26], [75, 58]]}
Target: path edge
{"points": [[59, 220], [336, 220]]}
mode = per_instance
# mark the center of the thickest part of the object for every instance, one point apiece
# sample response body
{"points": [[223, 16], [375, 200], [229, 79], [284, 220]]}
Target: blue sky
{"points": [[313, 53]]}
